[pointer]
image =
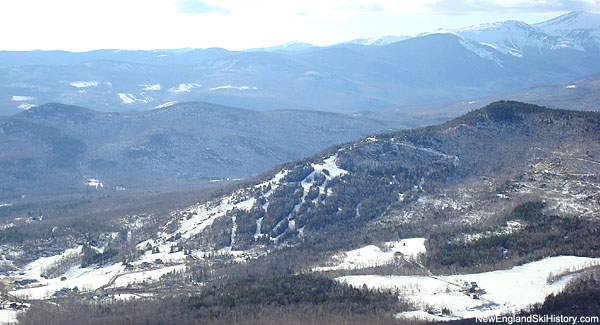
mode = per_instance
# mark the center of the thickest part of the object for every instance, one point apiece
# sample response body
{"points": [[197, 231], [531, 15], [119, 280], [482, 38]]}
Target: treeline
{"points": [[540, 236], [581, 297], [287, 299], [285, 290]]}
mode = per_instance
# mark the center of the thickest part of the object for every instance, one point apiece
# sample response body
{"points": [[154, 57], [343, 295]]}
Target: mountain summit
{"points": [[576, 20]]}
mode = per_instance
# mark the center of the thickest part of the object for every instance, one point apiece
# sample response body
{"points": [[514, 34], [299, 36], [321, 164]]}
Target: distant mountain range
{"points": [[364, 74], [583, 95], [61, 149]]}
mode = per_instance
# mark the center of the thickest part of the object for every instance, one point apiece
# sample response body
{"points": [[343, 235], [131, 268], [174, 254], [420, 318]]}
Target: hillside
{"points": [[501, 188], [581, 95], [60, 149]]}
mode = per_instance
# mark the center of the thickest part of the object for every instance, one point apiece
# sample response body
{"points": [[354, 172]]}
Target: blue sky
{"points": [[80, 25]]}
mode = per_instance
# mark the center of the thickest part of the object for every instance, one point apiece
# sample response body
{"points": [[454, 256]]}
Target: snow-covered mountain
{"points": [[363, 74], [292, 46], [377, 41], [582, 28], [576, 30], [577, 20], [510, 37], [579, 30]]}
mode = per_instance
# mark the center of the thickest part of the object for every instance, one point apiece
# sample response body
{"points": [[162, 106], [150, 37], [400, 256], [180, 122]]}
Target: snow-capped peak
{"points": [[580, 28], [377, 41], [572, 21], [509, 25], [577, 30], [363, 41], [507, 37], [386, 40], [292, 46]]}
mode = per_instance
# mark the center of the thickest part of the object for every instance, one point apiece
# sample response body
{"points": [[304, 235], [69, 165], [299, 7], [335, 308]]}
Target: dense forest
{"points": [[281, 299]]}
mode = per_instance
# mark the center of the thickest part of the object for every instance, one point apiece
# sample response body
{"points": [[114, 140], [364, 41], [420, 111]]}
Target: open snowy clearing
{"points": [[8, 316], [500, 292], [371, 255], [145, 276], [87, 279]]}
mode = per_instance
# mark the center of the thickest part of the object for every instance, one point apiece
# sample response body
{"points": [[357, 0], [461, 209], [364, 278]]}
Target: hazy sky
{"points": [[80, 25]]}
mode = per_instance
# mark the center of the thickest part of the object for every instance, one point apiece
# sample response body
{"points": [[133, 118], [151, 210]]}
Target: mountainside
{"points": [[381, 177], [61, 149], [359, 75], [580, 28], [576, 30], [506, 185], [583, 95]]}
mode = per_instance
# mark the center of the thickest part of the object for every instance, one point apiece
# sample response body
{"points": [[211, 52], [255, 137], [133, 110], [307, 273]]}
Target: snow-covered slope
{"points": [[563, 25], [493, 293], [510, 37], [371, 255], [581, 28], [575, 30]]}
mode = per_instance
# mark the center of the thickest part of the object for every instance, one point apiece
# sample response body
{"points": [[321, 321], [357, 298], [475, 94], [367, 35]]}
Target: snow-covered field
{"points": [[8, 316], [91, 278], [505, 290], [88, 279], [371, 255], [145, 276], [85, 279]]}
